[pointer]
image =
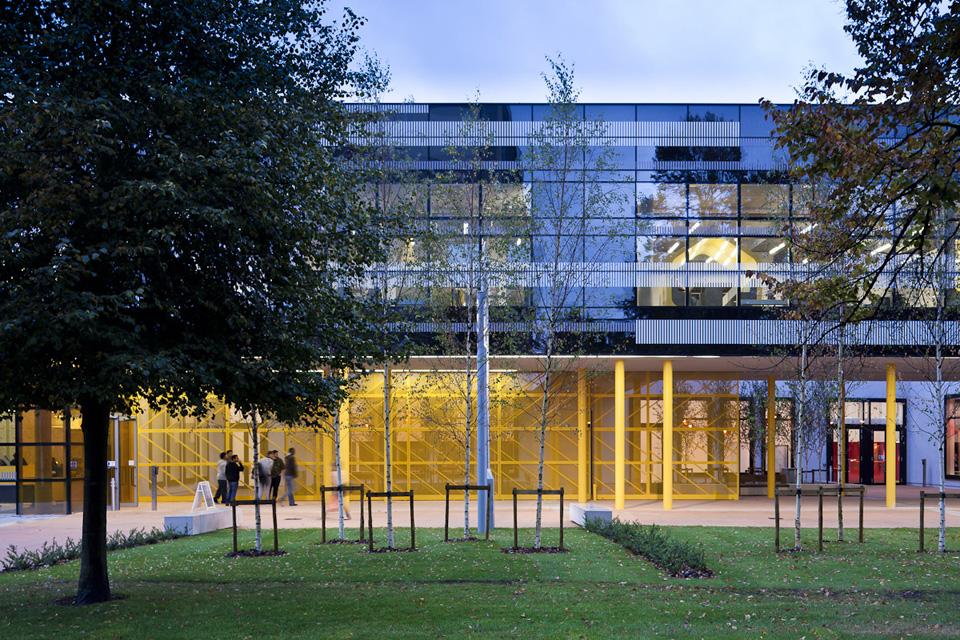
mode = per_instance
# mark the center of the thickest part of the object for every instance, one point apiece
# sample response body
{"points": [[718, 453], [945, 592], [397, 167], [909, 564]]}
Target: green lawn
{"points": [[188, 589]]}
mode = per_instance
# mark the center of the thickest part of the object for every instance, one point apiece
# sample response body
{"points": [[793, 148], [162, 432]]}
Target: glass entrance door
{"points": [[880, 452], [866, 455], [121, 447], [865, 447], [853, 457]]}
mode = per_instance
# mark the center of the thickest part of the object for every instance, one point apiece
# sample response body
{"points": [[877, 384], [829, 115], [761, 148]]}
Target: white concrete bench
{"points": [[197, 522], [581, 512]]}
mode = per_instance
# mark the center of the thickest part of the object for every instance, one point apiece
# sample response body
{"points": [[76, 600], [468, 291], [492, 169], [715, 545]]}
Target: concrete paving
{"points": [[749, 511]]}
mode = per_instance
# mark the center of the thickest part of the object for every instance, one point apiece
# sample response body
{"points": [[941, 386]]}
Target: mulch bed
{"points": [[335, 541], [253, 553], [389, 550], [533, 550], [693, 573], [466, 539]]}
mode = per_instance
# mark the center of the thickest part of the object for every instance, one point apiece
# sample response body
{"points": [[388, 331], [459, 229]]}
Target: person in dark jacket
{"points": [[233, 471], [290, 475], [276, 472]]}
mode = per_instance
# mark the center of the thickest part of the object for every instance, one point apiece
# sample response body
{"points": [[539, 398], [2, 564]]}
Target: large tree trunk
{"points": [[94, 584]]}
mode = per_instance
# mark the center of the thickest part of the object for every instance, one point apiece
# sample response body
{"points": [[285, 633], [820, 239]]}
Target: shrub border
{"points": [[677, 558], [54, 553]]}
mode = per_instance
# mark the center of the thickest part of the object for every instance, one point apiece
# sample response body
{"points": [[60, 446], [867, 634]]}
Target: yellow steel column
{"points": [[329, 474], [583, 464], [891, 437], [771, 437], [668, 434], [619, 434]]}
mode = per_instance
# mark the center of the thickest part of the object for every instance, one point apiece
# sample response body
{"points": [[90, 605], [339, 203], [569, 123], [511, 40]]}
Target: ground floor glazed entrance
{"points": [[616, 429], [428, 427], [863, 445]]}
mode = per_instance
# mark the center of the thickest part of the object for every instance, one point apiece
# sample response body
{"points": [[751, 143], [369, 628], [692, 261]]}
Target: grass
{"points": [[188, 589]]}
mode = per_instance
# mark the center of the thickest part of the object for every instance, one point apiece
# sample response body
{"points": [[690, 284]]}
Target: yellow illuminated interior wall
{"points": [[644, 432], [428, 420], [186, 450]]}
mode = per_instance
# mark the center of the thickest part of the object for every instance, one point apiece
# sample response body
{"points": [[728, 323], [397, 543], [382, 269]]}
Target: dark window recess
{"points": [[693, 154], [468, 154], [455, 112]]}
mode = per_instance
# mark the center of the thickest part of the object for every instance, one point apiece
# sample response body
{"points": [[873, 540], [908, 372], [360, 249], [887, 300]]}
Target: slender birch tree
{"points": [[478, 224], [564, 155], [934, 280]]}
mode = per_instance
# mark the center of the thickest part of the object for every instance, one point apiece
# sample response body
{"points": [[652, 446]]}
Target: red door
{"points": [[853, 456]]}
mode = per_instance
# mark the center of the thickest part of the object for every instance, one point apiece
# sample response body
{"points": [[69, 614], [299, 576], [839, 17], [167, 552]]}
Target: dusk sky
{"points": [[624, 50]]}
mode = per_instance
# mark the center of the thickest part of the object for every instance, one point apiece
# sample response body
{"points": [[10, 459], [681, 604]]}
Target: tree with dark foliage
{"points": [[174, 222], [882, 144]]}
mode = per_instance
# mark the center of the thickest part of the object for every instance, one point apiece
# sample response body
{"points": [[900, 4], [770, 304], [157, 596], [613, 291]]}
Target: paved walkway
{"points": [[749, 511]]}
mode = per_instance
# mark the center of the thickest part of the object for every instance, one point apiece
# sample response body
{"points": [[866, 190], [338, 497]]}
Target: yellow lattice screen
{"points": [[706, 439], [186, 450], [428, 418], [644, 427]]}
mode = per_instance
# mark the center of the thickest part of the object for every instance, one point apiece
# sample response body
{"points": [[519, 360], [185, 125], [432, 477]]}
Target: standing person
{"points": [[263, 470], [276, 471], [290, 475], [232, 474], [221, 495]]}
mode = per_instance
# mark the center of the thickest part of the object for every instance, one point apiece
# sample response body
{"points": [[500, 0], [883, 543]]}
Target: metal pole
{"points": [[486, 534], [154, 471], [924, 465], [323, 514], [516, 544], [922, 496], [115, 482], [413, 527], [446, 514], [362, 492], [561, 518], [820, 518], [276, 535], [370, 523], [484, 473], [861, 514], [776, 519]]}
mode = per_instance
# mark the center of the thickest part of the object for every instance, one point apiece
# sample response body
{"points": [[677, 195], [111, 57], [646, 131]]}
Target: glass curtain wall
{"points": [[46, 465], [8, 465]]}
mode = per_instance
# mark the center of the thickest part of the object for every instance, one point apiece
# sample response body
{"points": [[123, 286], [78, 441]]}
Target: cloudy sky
{"points": [[624, 50]]}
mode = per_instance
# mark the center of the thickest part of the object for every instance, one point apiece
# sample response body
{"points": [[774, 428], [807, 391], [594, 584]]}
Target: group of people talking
{"points": [[269, 469]]}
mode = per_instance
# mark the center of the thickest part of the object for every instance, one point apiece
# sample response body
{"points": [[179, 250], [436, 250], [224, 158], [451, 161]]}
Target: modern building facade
{"points": [[686, 335]]}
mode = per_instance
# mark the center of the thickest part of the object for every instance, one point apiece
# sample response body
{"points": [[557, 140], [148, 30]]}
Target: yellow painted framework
{"points": [[891, 437], [667, 435], [619, 434], [643, 433], [771, 437], [583, 435], [606, 438]]}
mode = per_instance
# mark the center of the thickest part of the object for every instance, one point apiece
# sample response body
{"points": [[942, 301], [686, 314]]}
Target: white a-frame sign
{"points": [[203, 498]]}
